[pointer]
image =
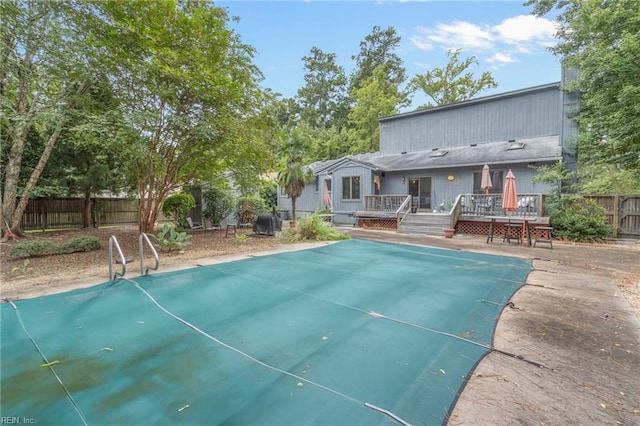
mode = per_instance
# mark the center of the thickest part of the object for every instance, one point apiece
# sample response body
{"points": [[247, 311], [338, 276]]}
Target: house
{"points": [[436, 156]]}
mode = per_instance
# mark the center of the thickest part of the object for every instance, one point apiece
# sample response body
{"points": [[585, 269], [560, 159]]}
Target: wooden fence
{"points": [[623, 212], [54, 213]]}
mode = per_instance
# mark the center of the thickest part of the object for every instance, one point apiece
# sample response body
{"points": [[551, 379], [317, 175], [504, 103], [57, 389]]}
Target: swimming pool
{"points": [[355, 332]]}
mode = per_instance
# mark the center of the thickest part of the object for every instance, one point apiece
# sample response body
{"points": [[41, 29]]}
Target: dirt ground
{"points": [[566, 351]]}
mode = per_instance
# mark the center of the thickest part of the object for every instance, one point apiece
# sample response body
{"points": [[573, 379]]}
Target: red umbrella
{"points": [[510, 195], [486, 179]]}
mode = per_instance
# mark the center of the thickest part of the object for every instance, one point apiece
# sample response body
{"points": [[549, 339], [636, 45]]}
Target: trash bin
{"points": [[284, 214]]}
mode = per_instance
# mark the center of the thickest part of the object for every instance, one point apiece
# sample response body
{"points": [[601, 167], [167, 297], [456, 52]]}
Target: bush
{"points": [[177, 206], [577, 219], [218, 204], [170, 239], [33, 249], [47, 248], [79, 244], [314, 228], [248, 208]]}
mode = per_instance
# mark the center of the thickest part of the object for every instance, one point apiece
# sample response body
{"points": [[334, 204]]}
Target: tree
{"points": [[88, 157], [377, 50], [324, 98], [601, 40], [47, 66], [378, 97], [293, 175], [190, 94], [448, 85]]}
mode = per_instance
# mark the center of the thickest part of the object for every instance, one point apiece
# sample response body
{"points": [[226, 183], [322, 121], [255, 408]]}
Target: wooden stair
{"points": [[424, 224]]}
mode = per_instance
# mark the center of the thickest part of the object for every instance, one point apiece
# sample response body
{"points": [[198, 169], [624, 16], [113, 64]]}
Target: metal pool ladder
{"points": [[113, 242], [144, 238]]}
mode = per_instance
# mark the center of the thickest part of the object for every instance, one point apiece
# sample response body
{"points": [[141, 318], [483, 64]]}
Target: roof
{"points": [[540, 149]]}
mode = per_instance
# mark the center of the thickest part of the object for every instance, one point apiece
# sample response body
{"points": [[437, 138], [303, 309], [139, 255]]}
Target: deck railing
{"points": [[529, 205], [384, 203]]}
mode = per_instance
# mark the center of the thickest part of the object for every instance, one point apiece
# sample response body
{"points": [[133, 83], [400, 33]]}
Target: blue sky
{"points": [[502, 35]]}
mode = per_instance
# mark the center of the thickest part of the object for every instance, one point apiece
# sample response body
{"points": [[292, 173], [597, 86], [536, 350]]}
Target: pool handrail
{"points": [[114, 241], [145, 238]]}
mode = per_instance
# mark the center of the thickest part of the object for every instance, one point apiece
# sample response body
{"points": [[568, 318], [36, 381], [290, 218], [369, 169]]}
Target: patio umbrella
{"points": [[510, 195], [326, 197], [486, 179]]}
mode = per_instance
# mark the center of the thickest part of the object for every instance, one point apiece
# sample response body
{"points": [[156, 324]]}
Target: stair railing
{"points": [[113, 242], [144, 238]]}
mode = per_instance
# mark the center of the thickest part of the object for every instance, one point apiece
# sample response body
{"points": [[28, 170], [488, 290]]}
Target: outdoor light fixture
{"points": [[450, 177], [403, 179]]}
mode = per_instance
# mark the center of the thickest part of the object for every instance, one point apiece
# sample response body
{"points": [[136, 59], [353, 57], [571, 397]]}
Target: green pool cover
{"points": [[351, 333]]}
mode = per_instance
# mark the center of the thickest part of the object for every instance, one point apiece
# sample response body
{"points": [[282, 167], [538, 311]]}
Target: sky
{"points": [[503, 36]]}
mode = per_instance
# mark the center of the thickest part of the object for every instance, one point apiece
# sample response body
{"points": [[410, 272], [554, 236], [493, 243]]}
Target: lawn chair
{"points": [[208, 226], [194, 227]]}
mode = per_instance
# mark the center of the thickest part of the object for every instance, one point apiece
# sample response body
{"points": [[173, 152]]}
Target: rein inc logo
{"points": [[16, 420]]}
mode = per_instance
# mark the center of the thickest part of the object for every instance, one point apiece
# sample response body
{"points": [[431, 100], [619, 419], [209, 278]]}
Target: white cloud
{"points": [[526, 29], [500, 44], [458, 35], [500, 59], [421, 43]]}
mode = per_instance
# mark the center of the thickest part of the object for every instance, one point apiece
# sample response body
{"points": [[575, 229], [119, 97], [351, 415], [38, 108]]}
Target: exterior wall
{"points": [[444, 190], [529, 114]]}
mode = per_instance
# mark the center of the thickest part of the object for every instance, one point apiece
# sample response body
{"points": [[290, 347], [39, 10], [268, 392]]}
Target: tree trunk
{"points": [[86, 214], [16, 218], [293, 208]]}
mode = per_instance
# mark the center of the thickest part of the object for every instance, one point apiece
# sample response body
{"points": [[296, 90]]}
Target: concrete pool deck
{"points": [[572, 321]]}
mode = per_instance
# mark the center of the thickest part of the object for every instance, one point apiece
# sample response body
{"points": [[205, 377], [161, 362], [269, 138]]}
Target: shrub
{"points": [[314, 228], [78, 244], [46, 248], [170, 239], [248, 208], [33, 249], [177, 206], [218, 204], [577, 219]]}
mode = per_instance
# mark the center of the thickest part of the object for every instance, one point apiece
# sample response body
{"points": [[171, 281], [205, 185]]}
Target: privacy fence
{"points": [[623, 212], [53, 213], [45, 213]]}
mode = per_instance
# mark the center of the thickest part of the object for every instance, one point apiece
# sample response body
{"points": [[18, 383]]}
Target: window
{"points": [[351, 188], [497, 178]]}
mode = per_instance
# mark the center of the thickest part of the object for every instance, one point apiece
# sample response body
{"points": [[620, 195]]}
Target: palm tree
{"points": [[292, 177]]}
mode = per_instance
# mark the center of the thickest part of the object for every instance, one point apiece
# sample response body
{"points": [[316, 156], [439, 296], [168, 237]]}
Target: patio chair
{"points": [[193, 226], [208, 225]]}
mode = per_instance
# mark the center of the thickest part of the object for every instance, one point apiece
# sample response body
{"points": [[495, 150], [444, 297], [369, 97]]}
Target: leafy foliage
{"points": [[448, 85], [312, 228], [577, 219], [323, 99], [80, 244], [269, 193], [219, 203], [34, 248], [170, 239], [39, 248], [177, 206], [248, 208], [293, 175], [600, 39]]}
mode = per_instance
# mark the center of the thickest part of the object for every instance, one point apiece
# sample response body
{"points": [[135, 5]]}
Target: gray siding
{"points": [[526, 115]]}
